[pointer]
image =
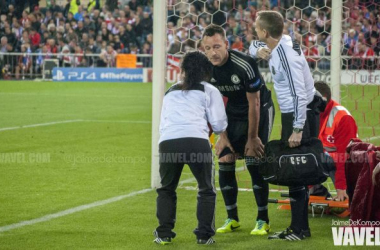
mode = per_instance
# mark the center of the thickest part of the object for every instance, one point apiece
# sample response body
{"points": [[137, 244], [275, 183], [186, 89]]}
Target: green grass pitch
{"points": [[90, 142]]}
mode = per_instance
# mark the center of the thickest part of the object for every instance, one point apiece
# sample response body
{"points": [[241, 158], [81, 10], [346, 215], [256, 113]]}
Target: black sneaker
{"points": [[306, 233], [206, 242], [163, 241], [287, 234]]}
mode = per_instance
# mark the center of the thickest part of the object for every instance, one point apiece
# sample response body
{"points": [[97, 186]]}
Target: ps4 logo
{"points": [[81, 76], [59, 76], [74, 76]]}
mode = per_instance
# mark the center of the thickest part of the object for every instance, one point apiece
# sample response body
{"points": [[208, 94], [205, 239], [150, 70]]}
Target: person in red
{"points": [[35, 39], [237, 44], [336, 128], [25, 18], [365, 57], [311, 53]]}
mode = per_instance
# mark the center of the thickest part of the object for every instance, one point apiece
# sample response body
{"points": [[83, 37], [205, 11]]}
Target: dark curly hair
{"points": [[197, 68]]}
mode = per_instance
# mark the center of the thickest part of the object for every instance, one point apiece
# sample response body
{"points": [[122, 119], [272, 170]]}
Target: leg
{"points": [[167, 199], [299, 226], [228, 185], [237, 134], [261, 187], [18, 72], [170, 172], [299, 196], [299, 200], [227, 176], [203, 170]]}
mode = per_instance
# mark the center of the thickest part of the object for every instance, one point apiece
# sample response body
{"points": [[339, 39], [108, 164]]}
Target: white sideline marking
{"points": [[78, 209], [373, 138], [39, 125], [71, 211], [71, 95], [191, 188], [69, 121], [111, 121]]}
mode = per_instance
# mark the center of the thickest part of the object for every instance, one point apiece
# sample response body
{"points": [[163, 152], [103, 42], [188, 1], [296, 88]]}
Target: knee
{"points": [[207, 193], [227, 159], [252, 161], [227, 166], [165, 190], [294, 190]]}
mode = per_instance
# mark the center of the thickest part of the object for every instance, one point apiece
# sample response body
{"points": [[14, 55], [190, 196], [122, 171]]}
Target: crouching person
{"points": [[187, 108]]}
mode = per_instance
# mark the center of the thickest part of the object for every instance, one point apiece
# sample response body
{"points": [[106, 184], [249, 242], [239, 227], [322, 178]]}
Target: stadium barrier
{"points": [[348, 76], [98, 75], [88, 67], [17, 66]]}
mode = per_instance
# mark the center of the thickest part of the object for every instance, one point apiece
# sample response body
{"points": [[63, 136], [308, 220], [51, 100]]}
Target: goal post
{"points": [[336, 41], [158, 83]]}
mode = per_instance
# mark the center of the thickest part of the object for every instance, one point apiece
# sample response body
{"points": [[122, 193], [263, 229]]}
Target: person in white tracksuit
{"points": [[294, 87], [187, 109]]}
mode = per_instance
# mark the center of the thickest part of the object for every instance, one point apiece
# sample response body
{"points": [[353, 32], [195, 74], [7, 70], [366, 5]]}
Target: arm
{"points": [[216, 116], [254, 147], [215, 111], [293, 64], [259, 49], [253, 84]]}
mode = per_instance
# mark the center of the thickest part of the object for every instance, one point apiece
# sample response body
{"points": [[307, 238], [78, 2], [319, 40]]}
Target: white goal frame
{"points": [[158, 83]]}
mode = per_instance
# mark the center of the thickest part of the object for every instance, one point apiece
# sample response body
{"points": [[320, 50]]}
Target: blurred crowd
{"points": [[107, 28], [73, 31], [310, 25]]}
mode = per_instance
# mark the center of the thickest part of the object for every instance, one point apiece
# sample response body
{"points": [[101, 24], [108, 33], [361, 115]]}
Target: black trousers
{"points": [[299, 195], [196, 153]]}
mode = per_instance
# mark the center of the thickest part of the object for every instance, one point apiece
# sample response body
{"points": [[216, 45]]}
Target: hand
{"points": [[222, 143], [341, 195], [295, 139], [263, 53], [254, 147]]}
